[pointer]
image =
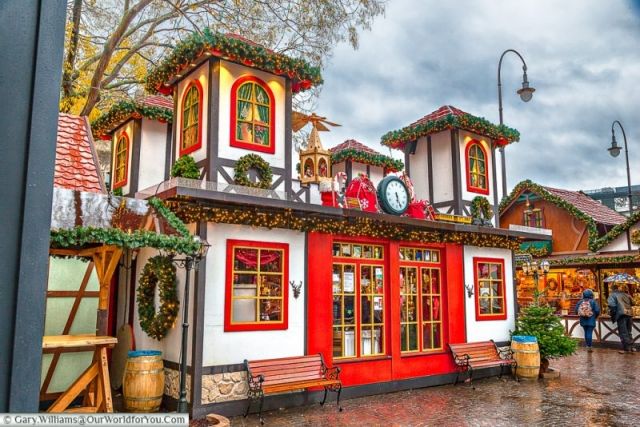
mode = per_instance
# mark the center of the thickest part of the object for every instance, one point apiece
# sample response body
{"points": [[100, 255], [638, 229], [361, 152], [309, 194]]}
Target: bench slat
{"points": [[298, 385], [310, 366], [283, 361]]}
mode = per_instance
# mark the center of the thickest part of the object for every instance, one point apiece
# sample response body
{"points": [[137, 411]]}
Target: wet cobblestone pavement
{"points": [[595, 389]]}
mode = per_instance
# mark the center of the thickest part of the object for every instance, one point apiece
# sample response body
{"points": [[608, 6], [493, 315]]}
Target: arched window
{"points": [[191, 129], [121, 162], [477, 176], [252, 115]]}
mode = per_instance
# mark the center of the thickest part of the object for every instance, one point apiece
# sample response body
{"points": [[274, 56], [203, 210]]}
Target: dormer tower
{"points": [[232, 97], [451, 158]]}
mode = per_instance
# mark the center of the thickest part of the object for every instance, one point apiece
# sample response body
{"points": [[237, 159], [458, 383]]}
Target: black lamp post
{"points": [[189, 262], [535, 269], [614, 150], [526, 93]]}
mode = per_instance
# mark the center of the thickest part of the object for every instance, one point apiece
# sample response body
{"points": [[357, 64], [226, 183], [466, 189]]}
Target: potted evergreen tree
{"points": [[539, 320]]}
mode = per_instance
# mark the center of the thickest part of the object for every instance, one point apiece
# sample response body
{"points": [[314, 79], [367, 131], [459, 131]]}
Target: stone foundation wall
{"points": [[172, 383], [224, 387]]}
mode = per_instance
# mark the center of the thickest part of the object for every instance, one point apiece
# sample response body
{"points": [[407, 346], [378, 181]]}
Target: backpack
{"points": [[585, 309]]}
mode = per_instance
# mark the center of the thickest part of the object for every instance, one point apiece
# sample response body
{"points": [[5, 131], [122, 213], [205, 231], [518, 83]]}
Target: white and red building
{"points": [[382, 295]]}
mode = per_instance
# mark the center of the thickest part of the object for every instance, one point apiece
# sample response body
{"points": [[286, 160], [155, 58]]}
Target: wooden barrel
{"points": [[143, 382], [527, 354]]}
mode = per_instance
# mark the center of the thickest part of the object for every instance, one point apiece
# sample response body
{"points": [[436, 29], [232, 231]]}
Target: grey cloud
{"points": [[583, 60]]}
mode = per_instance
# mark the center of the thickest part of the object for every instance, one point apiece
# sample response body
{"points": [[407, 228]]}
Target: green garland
{"points": [[338, 224], [159, 271], [618, 230], [232, 49], [533, 251], [172, 219], [182, 243], [120, 112], [479, 125], [635, 237], [185, 167], [81, 236], [481, 208], [250, 161], [527, 185], [372, 159]]}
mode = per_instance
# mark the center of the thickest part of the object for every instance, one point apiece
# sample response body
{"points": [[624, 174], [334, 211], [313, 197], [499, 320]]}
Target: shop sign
{"points": [[453, 218]]}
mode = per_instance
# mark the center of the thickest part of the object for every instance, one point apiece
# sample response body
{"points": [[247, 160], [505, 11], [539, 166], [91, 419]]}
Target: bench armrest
{"points": [[462, 360], [505, 353], [255, 382], [331, 373]]}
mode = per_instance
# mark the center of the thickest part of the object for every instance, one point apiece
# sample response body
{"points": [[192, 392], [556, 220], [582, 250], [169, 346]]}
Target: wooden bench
{"points": [[478, 355], [288, 374]]}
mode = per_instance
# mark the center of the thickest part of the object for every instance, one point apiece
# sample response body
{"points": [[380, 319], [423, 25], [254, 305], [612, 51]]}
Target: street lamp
{"points": [[535, 269], [188, 262], [526, 93], [614, 150]]}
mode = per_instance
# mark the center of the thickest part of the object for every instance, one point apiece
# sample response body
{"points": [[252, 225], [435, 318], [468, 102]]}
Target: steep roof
{"points": [[152, 107], [449, 117], [361, 153], [599, 212], [76, 165], [194, 50], [603, 223]]}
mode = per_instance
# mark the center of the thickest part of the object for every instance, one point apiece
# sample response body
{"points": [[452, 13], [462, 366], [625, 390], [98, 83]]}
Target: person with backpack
{"points": [[588, 310], [619, 303]]}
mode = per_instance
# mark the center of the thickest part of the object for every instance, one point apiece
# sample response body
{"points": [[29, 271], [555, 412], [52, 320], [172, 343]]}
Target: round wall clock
{"points": [[393, 195]]}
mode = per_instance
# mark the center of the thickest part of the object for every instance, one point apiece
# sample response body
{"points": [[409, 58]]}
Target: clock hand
{"points": [[398, 198]]}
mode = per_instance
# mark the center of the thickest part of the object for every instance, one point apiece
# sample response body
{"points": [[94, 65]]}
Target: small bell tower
{"points": [[315, 161]]}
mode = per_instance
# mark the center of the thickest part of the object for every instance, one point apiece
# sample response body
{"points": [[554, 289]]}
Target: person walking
{"points": [[619, 303], [588, 310]]}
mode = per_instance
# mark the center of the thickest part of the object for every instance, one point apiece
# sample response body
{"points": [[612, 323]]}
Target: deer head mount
{"points": [[296, 288]]}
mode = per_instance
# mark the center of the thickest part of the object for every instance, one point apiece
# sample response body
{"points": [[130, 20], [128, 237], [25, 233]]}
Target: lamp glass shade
{"points": [[526, 93], [525, 267], [545, 266], [614, 150]]}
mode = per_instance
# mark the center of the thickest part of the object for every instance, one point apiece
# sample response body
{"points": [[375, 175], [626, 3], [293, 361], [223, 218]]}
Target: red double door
{"points": [[384, 310]]}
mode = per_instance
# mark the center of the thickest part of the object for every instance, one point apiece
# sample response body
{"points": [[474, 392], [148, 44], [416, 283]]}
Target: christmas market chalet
{"points": [[290, 272]]}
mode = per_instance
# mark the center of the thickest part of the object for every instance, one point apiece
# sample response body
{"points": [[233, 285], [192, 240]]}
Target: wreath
{"points": [[253, 161], [159, 271], [481, 208]]}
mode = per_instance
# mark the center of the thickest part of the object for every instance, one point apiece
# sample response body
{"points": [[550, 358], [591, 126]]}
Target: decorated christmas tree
{"points": [[539, 320]]}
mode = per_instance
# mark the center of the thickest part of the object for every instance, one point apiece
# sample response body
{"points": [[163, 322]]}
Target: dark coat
{"points": [[589, 321]]}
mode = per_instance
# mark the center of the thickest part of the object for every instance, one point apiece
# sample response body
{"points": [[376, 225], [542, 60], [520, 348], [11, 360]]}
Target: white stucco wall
{"points": [[497, 330], [221, 347], [202, 75], [128, 128], [153, 149], [170, 345], [620, 242], [442, 167], [229, 73], [419, 170]]}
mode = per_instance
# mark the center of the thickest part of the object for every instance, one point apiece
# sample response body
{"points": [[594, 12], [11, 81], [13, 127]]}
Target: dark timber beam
{"points": [[31, 47]]}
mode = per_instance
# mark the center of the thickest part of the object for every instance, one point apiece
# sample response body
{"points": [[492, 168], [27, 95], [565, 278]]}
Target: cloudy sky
{"points": [[583, 58]]}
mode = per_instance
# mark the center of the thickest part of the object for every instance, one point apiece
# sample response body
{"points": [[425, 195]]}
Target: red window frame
{"points": [[258, 325], [198, 144], [123, 181], [271, 148], [433, 265], [494, 316], [358, 262], [470, 187]]}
